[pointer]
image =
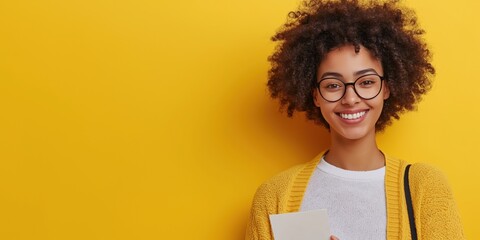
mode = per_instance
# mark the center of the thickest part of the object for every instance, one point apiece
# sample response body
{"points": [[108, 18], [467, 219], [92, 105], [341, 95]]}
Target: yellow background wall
{"points": [[150, 120]]}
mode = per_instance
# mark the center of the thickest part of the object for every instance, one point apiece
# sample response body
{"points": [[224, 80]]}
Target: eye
{"points": [[331, 85], [368, 81]]}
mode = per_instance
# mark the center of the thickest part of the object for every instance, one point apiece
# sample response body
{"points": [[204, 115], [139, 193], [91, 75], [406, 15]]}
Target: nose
{"points": [[350, 97]]}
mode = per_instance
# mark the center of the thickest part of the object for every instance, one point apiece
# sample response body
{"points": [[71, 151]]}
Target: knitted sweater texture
{"points": [[436, 214]]}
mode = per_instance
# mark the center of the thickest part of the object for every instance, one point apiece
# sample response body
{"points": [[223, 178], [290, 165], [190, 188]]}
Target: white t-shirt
{"points": [[355, 201]]}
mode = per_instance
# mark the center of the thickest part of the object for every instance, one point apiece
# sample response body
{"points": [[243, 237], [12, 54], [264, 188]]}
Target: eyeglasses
{"points": [[366, 87]]}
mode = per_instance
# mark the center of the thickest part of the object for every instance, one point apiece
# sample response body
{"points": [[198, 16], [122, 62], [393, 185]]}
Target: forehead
{"points": [[345, 61]]}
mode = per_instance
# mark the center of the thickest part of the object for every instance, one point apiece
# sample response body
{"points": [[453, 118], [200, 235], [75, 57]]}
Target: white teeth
{"points": [[352, 116]]}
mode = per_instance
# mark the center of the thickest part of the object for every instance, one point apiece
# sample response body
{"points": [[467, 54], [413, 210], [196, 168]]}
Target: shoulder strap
{"points": [[408, 198]]}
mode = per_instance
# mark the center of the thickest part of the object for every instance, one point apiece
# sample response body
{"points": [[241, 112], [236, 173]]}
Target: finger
{"points": [[333, 238]]}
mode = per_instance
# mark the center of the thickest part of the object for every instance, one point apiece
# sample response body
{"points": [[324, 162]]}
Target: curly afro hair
{"points": [[389, 31]]}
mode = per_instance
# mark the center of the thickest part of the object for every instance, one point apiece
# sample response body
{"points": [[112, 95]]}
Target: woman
{"points": [[353, 67]]}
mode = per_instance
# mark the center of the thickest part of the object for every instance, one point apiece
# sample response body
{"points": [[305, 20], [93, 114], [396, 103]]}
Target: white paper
{"points": [[309, 225]]}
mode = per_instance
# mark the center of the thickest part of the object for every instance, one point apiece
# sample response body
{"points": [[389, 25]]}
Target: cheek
{"points": [[378, 106], [327, 112]]}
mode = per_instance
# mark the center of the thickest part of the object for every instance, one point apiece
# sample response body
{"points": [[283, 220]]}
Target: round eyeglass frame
{"points": [[382, 78]]}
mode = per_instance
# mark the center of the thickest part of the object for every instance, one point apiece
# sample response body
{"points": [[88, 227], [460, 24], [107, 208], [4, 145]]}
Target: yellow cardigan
{"points": [[436, 214]]}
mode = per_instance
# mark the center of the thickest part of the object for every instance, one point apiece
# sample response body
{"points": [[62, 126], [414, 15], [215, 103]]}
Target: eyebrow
{"points": [[356, 74]]}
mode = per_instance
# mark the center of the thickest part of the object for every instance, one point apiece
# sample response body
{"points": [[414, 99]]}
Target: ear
{"points": [[386, 93], [316, 97]]}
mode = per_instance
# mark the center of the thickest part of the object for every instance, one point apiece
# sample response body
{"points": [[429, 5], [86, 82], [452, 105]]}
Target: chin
{"points": [[353, 133]]}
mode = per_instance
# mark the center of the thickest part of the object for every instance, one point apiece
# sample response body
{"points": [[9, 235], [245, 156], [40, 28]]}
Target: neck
{"points": [[356, 155]]}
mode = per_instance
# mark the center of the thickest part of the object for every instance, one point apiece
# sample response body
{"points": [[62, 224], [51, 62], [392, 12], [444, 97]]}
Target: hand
{"points": [[333, 238]]}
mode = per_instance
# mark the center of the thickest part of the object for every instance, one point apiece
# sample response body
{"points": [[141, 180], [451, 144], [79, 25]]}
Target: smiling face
{"points": [[351, 117]]}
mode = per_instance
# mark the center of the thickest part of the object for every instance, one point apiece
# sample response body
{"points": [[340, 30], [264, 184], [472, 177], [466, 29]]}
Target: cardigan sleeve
{"points": [[258, 226], [270, 198], [436, 213]]}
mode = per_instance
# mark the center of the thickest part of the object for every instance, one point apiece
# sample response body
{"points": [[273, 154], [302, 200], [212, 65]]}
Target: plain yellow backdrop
{"points": [[150, 119]]}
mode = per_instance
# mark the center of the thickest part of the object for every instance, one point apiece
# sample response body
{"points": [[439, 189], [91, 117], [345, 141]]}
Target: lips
{"points": [[352, 116]]}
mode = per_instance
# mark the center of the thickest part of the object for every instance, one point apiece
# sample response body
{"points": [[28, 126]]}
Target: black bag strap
{"points": [[408, 198]]}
